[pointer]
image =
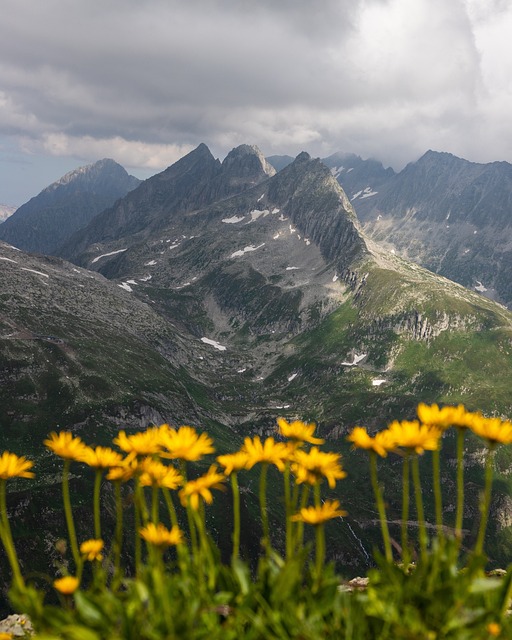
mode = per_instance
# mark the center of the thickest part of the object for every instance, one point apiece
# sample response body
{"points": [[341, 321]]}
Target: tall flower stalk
{"points": [[381, 508]]}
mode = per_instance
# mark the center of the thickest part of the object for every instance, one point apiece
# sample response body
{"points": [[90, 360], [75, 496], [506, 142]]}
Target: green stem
{"points": [[288, 511], [170, 507], [320, 552], [118, 536], [405, 510], [96, 504], [460, 484], [486, 500], [236, 515], [419, 506], [263, 506], [318, 501], [155, 515], [6, 535], [380, 507], [300, 524], [438, 498], [138, 541], [69, 514]]}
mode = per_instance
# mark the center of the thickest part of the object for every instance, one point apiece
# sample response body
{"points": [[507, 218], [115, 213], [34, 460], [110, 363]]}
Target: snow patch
{"points": [[261, 197], [241, 252], [292, 268], [151, 263], [131, 282], [275, 210], [233, 219], [292, 229], [376, 382], [466, 251], [282, 218], [292, 377], [110, 253], [125, 286], [173, 246], [276, 236], [241, 370], [307, 241], [282, 406], [8, 259], [257, 213], [214, 344], [39, 273], [480, 287], [335, 277], [145, 279], [357, 359]]}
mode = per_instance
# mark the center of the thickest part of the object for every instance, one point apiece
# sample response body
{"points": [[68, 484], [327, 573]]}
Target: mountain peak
{"points": [[247, 160], [303, 157]]}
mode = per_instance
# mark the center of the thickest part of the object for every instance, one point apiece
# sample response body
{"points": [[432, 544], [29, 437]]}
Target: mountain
{"points": [[47, 220], [6, 211], [450, 215], [224, 295], [360, 179]]}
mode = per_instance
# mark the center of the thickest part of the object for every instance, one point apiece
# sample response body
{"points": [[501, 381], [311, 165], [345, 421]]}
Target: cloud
{"points": [[146, 81]]}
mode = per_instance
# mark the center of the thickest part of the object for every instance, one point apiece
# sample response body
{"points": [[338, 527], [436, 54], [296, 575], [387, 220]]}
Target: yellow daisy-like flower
{"points": [[127, 468], [102, 457], [5, 636], [66, 445], [185, 444], [314, 465], [269, 451], [493, 629], [233, 462], [449, 416], [318, 515], [381, 443], [66, 585], [159, 536], [91, 549], [494, 430], [13, 466], [201, 488], [298, 431], [413, 436], [156, 474], [143, 443]]}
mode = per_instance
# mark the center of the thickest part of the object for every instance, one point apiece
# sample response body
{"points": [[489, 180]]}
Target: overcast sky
{"points": [[145, 81]]}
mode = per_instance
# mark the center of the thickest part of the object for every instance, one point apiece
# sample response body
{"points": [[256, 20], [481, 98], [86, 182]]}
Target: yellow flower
{"points": [[298, 431], [233, 462], [269, 451], [159, 536], [318, 515], [494, 629], [185, 444], [5, 636], [413, 436], [381, 443], [101, 457], [200, 488], [66, 445], [494, 430], [156, 474], [13, 466], [143, 443], [449, 416], [314, 465], [91, 549], [127, 468], [66, 585]]}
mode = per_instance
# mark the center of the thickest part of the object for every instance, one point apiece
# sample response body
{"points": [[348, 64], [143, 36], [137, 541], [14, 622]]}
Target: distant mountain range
{"points": [[46, 221], [6, 211], [225, 294]]}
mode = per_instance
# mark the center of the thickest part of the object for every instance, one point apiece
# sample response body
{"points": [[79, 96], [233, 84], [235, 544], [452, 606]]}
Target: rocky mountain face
{"points": [[224, 295], [6, 211], [46, 221], [450, 215]]}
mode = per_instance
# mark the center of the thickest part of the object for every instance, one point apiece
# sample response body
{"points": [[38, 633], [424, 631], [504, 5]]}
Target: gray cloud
{"points": [[151, 79]]}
